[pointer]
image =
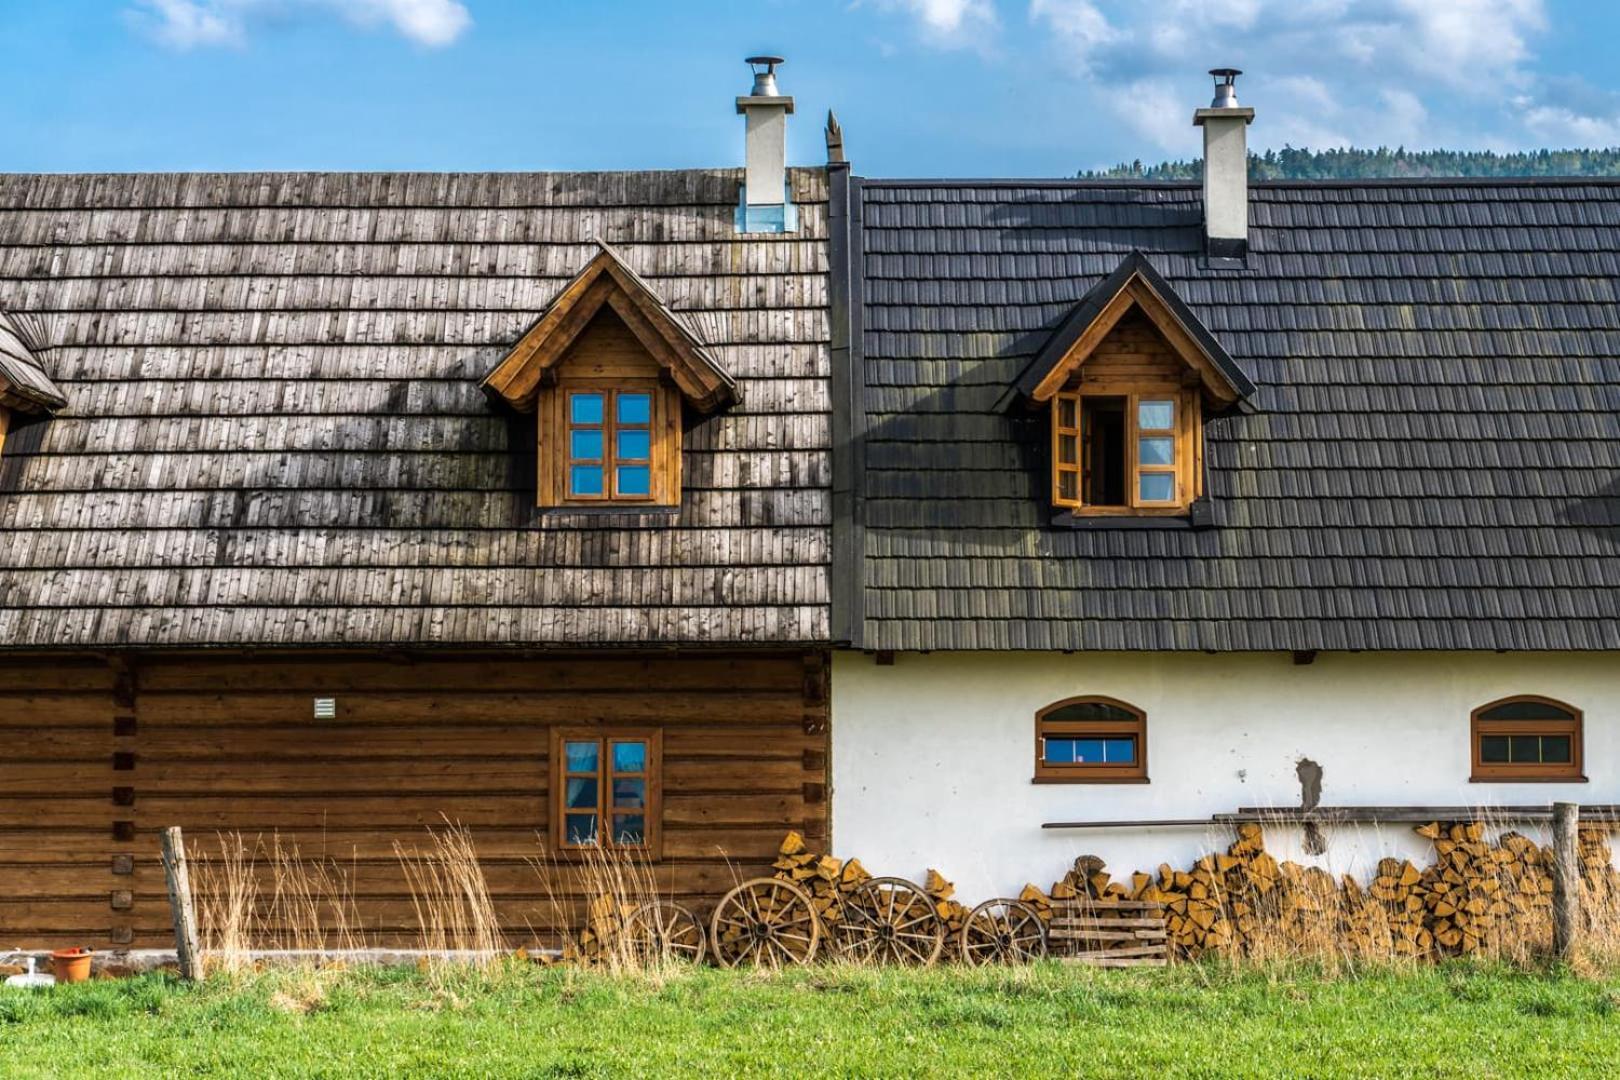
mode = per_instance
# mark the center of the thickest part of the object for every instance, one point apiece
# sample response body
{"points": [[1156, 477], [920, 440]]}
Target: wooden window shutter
{"points": [[1066, 450]]}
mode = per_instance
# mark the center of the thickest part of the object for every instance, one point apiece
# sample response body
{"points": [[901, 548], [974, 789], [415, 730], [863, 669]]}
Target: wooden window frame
{"points": [[1186, 429], [1483, 772], [1087, 773], [663, 436], [653, 847], [5, 426]]}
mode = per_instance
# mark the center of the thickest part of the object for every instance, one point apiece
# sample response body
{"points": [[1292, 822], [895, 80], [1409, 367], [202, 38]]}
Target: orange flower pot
{"points": [[71, 965]]}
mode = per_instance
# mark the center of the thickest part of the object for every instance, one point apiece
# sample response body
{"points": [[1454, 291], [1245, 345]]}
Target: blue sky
{"points": [[922, 87]]}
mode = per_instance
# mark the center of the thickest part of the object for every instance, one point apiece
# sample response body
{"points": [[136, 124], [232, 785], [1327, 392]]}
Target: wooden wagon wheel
{"points": [[1003, 932], [661, 930], [764, 921], [892, 920]]}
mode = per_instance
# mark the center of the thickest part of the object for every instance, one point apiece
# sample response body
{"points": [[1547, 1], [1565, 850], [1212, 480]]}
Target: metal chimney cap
{"points": [[1225, 88], [764, 91], [770, 62]]}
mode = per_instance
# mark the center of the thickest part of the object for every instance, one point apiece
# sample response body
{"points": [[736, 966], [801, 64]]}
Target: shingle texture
{"points": [[275, 434], [1432, 459]]}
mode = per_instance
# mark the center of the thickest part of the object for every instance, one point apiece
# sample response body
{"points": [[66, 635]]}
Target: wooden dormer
{"points": [[609, 370], [1128, 377]]}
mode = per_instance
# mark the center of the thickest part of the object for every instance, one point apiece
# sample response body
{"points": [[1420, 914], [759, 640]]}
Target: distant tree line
{"points": [[1350, 164]]}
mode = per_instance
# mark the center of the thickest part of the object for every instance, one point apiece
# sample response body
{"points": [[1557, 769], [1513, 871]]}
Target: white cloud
{"points": [[949, 23], [188, 24], [1324, 72]]}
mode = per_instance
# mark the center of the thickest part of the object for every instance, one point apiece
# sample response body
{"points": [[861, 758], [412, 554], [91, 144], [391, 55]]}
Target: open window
{"points": [[1526, 738], [1127, 380], [607, 790], [609, 370], [1091, 740]]}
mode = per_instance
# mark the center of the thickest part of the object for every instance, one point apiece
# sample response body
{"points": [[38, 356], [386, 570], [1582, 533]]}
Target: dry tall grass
{"points": [[455, 916]]}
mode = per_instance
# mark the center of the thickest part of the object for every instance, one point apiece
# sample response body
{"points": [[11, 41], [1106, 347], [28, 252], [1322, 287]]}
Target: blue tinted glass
{"points": [[629, 829], [1155, 415], [585, 408], [1119, 751], [580, 829], [1156, 487], [581, 793], [585, 480], [585, 444], [635, 480], [1080, 751], [635, 408], [635, 445], [629, 757], [581, 756], [629, 794], [1158, 450]]}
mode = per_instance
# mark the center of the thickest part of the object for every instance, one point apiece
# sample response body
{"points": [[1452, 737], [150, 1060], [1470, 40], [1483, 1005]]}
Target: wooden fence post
{"points": [[185, 915], [1567, 924]]}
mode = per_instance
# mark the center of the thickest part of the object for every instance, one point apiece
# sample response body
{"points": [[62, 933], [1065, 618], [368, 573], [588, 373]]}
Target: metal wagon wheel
{"points": [[891, 920], [1003, 932], [661, 930], [765, 921]]}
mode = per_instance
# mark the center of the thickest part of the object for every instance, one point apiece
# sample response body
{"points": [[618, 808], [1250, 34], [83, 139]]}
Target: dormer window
{"points": [[609, 370], [1126, 381]]}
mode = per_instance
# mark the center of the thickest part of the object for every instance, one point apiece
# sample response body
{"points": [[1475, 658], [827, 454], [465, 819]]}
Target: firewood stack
{"points": [[952, 912], [1479, 895], [605, 920], [829, 881], [1597, 868]]}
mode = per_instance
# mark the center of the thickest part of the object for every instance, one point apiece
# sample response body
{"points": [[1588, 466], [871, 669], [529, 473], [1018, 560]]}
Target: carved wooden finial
{"points": [[835, 139]]}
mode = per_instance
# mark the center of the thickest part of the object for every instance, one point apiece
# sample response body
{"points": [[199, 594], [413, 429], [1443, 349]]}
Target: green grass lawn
{"points": [[1194, 1020]]}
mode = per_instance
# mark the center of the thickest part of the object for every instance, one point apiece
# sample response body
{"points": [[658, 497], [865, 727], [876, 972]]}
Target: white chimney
{"points": [[1226, 169], [765, 204]]}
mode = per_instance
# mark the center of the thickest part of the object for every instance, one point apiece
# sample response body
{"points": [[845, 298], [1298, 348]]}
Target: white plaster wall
{"points": [[932, 756]]}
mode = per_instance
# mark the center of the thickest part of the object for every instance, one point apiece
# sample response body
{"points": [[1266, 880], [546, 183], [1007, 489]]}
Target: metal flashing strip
{"points": [[848, 585]]}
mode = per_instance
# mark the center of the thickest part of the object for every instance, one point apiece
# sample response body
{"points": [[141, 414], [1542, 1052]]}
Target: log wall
{"points": [[101, 756]]}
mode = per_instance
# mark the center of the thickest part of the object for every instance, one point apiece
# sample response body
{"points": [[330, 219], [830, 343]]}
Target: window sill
{"points": [[623, 514], [1068, 519], [1089, 780], [1528, 780]]}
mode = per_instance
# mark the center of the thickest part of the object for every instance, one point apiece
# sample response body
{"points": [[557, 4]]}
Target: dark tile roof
{"points": [[1430, 460], [275, 433]]}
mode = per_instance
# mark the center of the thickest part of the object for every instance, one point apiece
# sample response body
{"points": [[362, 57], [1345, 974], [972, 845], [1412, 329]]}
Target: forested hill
{"points": [[1352, 164]]}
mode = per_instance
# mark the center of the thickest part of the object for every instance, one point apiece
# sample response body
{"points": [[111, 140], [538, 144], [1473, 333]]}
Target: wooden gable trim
{"points": [[1137, 293], [606, 280]]}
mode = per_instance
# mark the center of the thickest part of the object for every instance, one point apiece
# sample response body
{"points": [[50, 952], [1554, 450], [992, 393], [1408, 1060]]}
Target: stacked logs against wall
{"points": [[1478, 895]]}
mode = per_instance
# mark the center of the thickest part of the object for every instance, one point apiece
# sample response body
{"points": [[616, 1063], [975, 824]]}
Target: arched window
{"points": [[1090, 740], [1526, 738]]}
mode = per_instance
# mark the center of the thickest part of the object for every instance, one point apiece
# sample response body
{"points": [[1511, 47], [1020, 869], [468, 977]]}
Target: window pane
{"points": [[635, 480], [1119, 751], [581, 756], [1524, 749], [581, 794], [1091, 710], [1066, 417], [580, 829], [1068, 485], [1493, 749], [585, 480], [1156, 487], [629, 829], [585, 444], [1555, 749], [1155, 415], [1158, 450], [635, 408], [629, 757], [1068, 450], [635, 445], [630, 794], [585, 408], [1526, 710]]}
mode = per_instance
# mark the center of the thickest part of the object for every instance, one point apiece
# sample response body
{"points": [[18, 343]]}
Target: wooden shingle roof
{"points": [[274, 431], [1430, 458]]}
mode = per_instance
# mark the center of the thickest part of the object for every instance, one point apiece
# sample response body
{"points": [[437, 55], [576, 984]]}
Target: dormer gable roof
{"points": [[1134, 284], [24, 386], [608, 281]]}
